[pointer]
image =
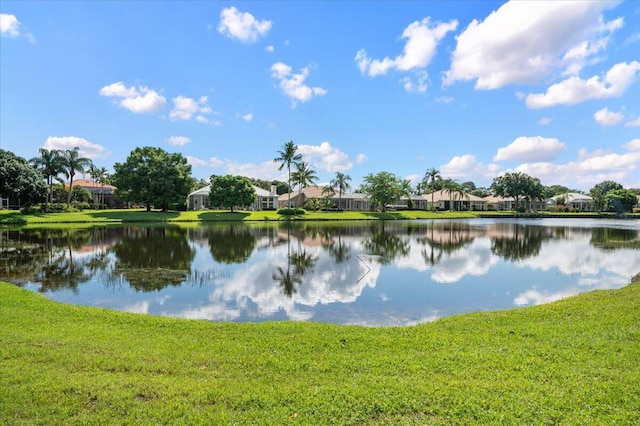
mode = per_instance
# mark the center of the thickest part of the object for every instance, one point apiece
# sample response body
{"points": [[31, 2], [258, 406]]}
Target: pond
{"points": [[367, 273]]}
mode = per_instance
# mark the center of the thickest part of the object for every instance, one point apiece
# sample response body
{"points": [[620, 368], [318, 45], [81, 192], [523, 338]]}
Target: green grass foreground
{"points": [[141, 215], [9, 217], [570, 362]]}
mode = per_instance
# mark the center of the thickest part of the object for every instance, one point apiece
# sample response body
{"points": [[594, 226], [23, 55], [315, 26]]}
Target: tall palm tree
{"points": [[341, 183], [50, 164], [99, 175], [287, 157], [304, 175], [430, 177], [455, 191], [72, 163]]}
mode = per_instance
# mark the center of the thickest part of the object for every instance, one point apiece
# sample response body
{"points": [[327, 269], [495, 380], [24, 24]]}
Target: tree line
{"points": [[151, 176]]}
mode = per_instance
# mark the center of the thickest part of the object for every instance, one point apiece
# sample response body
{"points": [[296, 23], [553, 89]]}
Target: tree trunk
{"points": [[148, 207]]}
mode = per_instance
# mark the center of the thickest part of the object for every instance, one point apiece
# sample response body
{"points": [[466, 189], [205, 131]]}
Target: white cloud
{"points": [[361, 158], [544, 121], [604, 117], [187, 108], [523, 42], [178, 140], [195, 162], [633, 145], [445, 99], [531, 149], [242, 26], [417, 84], [11, 27], [87, 149], [575, 90], [270, 49], [326, 157], [136, 100], [247, 117], [292, 85], [465, 167], [422, 39], [633, 123], [588, 169]]}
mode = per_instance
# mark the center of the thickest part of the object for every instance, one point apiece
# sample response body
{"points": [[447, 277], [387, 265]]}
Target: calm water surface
{"points": [[370, 273]]}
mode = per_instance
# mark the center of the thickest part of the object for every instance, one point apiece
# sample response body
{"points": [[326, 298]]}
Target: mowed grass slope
{"points": [[570, 362]]}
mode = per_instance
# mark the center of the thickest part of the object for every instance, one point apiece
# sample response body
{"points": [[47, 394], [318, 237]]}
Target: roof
{"points": [[207, 189], [309, 192], [572, 197], [92, 186], [444, 195], [498, 199]]}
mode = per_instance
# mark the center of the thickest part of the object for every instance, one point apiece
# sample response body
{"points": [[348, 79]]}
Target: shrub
{"points": [[522, 209], [79, 205], [13, 220], [291, 211], [30, 209]]}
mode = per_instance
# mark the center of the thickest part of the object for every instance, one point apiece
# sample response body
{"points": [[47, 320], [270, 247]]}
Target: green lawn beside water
{"points": [[574, 362]]}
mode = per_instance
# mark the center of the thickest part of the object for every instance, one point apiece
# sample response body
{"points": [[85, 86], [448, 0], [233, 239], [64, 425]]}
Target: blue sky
{"points": [[473, 89]]}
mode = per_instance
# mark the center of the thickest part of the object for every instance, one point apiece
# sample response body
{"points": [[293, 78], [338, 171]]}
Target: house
{"points": [[101, 194], [496, 202], [574, 200], [266, 200], [445, 200], [344, 201]]}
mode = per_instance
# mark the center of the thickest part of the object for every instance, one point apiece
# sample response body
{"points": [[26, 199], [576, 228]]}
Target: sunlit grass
{"points": [[10, 217], [570, 362]]}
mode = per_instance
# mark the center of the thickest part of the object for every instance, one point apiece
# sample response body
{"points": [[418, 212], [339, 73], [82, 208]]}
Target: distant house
{"points": [[267, 200], [445, 200], [104, 194], [574, 200], [344, 201]]}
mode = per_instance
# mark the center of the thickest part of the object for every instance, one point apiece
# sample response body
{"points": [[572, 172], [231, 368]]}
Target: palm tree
{"points": [[430, 177], [451, 187], [99, 175], [304, 176], [50, 164], [287, 157], [341, 183], [72, 163]]}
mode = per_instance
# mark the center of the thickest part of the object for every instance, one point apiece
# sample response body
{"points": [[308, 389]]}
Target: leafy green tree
{"points": [[621, 200], [599, 193], [383, 188], [81, 194], [231, 191], [517, 185], [18, 179], [558, 189], [304, 175], [50, 164], [153, 176], [287, 157], [72, 163], [341, 183], [312, 204], [281, 187]]}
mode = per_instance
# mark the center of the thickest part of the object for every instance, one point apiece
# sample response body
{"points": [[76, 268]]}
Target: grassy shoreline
{"points": [[8, 217], [569, 362]]}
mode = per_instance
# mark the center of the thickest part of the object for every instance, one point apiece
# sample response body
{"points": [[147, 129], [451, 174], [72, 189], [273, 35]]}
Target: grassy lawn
{"points": [[570, 362], [141, 215]]}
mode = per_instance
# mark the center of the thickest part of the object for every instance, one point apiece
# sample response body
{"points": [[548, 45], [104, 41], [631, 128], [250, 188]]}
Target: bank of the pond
{"points": [[141, 215], [570, 362]]}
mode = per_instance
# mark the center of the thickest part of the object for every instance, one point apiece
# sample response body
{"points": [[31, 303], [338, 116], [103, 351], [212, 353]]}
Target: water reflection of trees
{"points": [[301, 261], [445, 238], [231, 244], [385, 244], [152, 258], [517, 242], [614, 238], [48, 256]]}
